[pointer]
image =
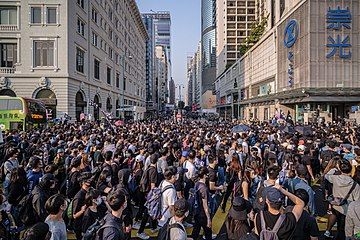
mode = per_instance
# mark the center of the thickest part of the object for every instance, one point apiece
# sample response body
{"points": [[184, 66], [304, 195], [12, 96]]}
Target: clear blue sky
{"points": [[185, 27]]}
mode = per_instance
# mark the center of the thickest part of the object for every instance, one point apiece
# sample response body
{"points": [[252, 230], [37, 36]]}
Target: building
{"points": [[234, 22], [161, 77], [151, 101], [208, 45], [162, 35], [172, 91], [306, 66], [71, 53], [189, 98]]}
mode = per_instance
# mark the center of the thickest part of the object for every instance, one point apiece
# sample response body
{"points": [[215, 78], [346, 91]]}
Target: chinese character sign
{"points": [[337, 20]]}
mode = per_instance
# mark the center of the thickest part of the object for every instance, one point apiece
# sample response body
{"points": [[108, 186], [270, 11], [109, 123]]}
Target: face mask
{"points": [[98, 201], [127, 155], [125, 205], [186, 214], [108, 179], [130, 177]]}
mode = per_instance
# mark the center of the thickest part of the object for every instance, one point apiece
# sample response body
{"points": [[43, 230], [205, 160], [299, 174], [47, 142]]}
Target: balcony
{"points": [[8, 28], [7, 70]]}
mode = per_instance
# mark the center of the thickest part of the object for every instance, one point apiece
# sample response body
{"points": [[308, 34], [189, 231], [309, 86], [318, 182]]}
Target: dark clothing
{"points": [[78, 202], [202, 193], [286, 229], [73, 184], [115, 232], [40, 196], [213, 177], [17, 190], [306, 226], [89, 218], [201, 222]]}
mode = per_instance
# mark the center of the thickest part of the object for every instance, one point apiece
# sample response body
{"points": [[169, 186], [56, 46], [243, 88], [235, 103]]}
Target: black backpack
{"points": [[26, 212], [164, 232], [95, 231]]}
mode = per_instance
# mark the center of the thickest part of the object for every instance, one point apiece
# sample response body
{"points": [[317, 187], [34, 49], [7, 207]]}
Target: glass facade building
{"points": [[208, 43]]}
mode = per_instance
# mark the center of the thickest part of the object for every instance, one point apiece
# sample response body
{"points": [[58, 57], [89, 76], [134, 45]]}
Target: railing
{"points": [[7, 70], [8, 28]]}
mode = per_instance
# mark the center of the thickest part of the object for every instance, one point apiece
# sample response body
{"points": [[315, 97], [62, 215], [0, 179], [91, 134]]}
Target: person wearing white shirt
{"points": [[168, 196]]}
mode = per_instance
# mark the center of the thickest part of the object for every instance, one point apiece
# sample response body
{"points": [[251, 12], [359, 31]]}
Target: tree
{"points": [[256, 33]]}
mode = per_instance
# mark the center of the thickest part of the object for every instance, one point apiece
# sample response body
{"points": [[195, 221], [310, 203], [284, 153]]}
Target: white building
{"points": [[69, 53]]}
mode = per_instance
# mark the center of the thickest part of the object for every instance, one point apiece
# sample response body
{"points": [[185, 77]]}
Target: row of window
{"points": [[80, 59], [44, 14]]}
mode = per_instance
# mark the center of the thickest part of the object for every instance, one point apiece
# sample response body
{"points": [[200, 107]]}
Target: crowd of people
{"points": [[102, 182]]}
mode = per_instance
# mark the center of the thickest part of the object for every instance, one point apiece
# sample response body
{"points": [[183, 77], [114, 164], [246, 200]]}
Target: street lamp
{"points": [[123, 86]]}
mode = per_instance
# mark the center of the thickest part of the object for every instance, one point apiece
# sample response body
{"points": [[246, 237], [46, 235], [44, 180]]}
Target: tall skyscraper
{"points": [[172, 91], [208, 44], [162, 37], [150, 64], [234, 22]]}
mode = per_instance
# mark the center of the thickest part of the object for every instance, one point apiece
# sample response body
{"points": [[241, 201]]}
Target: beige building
{"points": [[161, 76], [69, 53], [234, 20], [306, 65]]}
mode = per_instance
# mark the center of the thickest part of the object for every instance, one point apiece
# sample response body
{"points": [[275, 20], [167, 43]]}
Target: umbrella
{"points": [[287, 129], [304, 130], [240, 128]]}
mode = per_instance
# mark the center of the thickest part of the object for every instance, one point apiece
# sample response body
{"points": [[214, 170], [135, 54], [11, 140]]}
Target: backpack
{"points": [[153, 201], [270, 234], [69, 210], [259, 194], [164, 232], [193, 200], [144, 181], [95, 231], [26, 211], [2, 170]]}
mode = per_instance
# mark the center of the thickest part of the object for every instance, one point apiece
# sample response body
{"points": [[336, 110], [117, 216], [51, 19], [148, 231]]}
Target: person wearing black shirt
{"points": [[202, 212], [212, 183], [94, 211], [113, 227], [79, 207], [306, 227], [150, 178], [274, 201]]}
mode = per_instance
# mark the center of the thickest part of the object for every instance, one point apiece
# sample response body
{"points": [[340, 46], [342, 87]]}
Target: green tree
{"points": [[256, 33]]}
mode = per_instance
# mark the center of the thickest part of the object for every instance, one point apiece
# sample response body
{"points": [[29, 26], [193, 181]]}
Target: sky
{"points": [[185, 27]]}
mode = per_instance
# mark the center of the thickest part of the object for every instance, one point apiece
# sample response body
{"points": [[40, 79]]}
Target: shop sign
{"points": [[290, 36], [14, 115], [337, 20]]}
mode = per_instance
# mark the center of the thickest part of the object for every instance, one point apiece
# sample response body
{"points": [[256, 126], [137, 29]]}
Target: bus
{"points": [[21, 113]]}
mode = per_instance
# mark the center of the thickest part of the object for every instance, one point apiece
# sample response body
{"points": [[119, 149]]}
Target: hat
{"points": [[239, 209], [347, 146], [181, 206], [185, 153], [60, 150], [274, 195]]}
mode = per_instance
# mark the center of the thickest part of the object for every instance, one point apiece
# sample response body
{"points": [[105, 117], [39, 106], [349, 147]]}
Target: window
{"points": [[124, 84], [81, 3], [108, 75], [44, 53], [51, 15], [80, 60], [8, 16], [96, 69], [116, 58], [80, 27], [8, 54], [95, 39], [94, 15], [111, 55], [36, 15], [110, 34], [117, 80]]}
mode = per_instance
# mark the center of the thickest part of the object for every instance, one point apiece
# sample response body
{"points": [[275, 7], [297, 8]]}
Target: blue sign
{"points": [[339, 45], [337, 19], [291, 33]]}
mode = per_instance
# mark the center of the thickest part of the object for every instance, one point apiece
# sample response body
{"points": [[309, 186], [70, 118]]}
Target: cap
{"points": [[181, 205], [347, 146], [240, 208], [274, 195], [60, 150], [185, 153]]}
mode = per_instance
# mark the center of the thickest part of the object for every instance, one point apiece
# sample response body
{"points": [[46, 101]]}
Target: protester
{"points": [[56, 205]]}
